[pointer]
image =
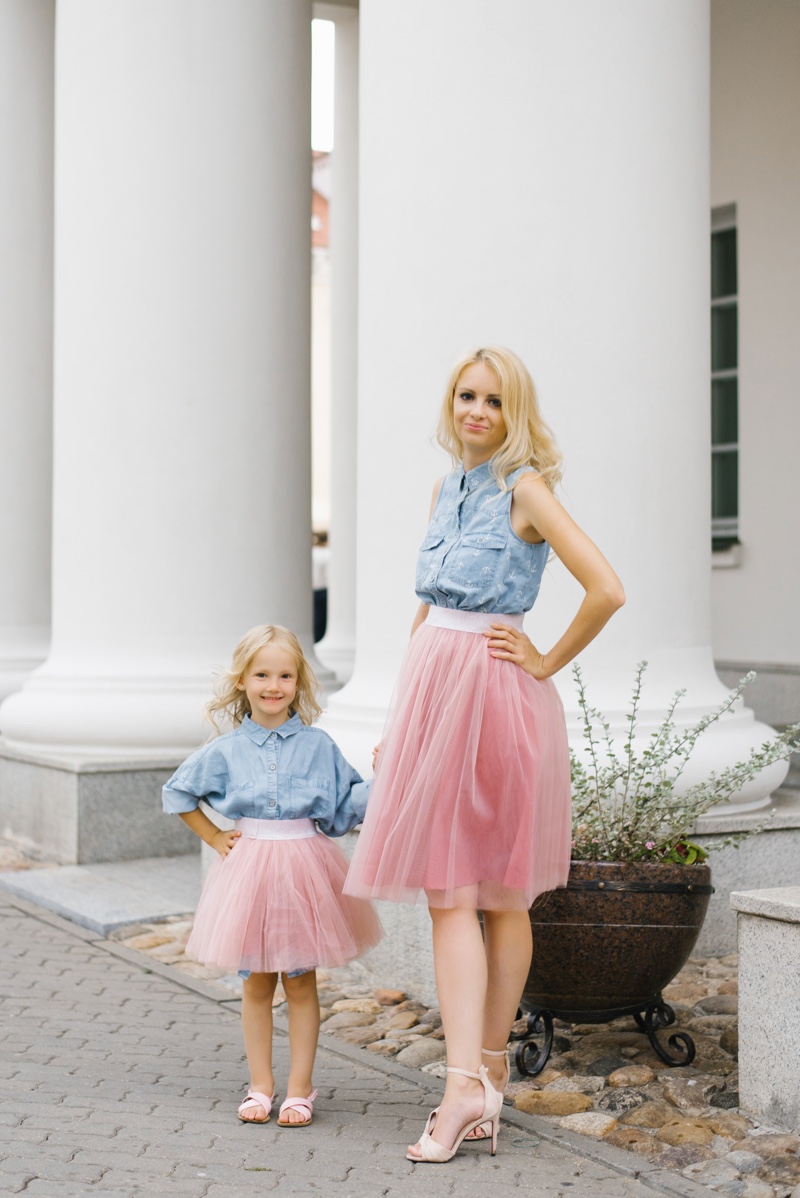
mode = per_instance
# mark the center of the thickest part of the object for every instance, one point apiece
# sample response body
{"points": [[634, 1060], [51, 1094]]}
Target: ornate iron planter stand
{"points": [[530, 1059], [605, 946]]}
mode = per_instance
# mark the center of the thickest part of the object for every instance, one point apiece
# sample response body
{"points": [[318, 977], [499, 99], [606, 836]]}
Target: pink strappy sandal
{"points": [[304, 1106], [254, 1098]]}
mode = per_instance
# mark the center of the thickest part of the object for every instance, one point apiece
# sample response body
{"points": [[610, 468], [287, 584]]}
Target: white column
{"points": [[543, 184], [337, 649], [182, 497], [26, 334]]}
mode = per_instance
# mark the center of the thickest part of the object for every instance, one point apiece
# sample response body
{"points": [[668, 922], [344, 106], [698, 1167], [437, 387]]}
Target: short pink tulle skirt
{"points": [[277, 906], [470, 806]]}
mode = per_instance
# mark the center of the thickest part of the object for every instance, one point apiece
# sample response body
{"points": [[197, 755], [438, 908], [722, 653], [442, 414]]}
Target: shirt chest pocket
{"points": [[429, 551], [238, 789], [303, 787], [480, 557], [241, 796]]}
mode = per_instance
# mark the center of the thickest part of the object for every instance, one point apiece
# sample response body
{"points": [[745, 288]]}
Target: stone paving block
{"points": [[182, 1143], [30, 1135], [42, 1187], [173, 1188], [53, 1168], [15, 1183], [48, 1119], [118, 1158], [221, 1174], [261, 1181]]}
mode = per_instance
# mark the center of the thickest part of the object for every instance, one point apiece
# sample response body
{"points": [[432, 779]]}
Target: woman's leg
{"points": [[508, 945], [508, 942], [257, 994], [460, 966], [301, 996]]}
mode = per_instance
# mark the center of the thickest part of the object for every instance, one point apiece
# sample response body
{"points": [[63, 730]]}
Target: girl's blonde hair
{"points": [[233, 702], [529, 441]]}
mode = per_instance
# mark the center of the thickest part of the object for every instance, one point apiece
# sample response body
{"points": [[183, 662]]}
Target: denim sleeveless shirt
{"points": [[471, 558]]}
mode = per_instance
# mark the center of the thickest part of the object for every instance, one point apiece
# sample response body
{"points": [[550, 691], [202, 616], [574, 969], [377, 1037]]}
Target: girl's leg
{"points": [[301, 996], [460, 966], [508, 942], [257, 994]]}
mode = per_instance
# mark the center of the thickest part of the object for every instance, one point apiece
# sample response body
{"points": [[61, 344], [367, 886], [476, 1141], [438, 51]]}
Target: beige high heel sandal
{"points": [[483, 1130], [434, 1153]]}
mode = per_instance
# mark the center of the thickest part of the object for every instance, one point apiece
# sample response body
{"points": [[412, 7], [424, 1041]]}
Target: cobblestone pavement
{"points": [[119, 1079]]}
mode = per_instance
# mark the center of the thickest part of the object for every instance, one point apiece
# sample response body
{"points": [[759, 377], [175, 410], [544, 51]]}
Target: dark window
{"points": [[724, 381]]}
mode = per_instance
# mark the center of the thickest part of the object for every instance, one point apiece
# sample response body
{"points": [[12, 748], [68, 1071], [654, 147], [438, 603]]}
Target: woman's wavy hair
{"points": [[529, 441], [233, 703]]}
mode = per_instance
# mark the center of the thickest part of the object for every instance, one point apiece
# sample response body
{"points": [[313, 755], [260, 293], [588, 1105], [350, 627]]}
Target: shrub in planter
{"points": [[638, 890]]}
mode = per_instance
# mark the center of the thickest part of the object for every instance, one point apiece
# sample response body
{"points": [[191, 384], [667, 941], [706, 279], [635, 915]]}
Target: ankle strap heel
{"points": [[432, 1151]]}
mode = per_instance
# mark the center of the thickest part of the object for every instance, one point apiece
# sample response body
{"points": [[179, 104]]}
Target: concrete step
{"points": [[108, 896]]}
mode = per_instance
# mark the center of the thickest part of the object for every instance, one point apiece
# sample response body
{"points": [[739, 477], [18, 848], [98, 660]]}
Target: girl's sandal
{"points": [[254, 1098], [304, 1106]]}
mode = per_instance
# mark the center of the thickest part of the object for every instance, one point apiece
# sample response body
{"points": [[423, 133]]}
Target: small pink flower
{"points": [[650, 844]]}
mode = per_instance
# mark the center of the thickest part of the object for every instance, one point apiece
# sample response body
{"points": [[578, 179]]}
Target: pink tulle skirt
{"points": [[471, 798], [276, 905]]}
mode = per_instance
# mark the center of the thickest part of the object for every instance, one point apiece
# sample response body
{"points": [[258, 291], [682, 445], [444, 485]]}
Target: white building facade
{"points": [[544, 175]]}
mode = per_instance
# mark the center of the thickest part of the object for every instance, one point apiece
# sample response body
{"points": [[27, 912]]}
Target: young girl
{"points": [[273, 902], [471, 801]]}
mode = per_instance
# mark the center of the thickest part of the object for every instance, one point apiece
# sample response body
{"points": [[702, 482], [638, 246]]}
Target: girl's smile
{"points": [[270, 684], [477, 414]]}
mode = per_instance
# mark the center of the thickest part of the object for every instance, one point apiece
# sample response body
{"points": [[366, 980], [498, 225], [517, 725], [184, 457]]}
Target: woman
{"points": [[471, 799]]}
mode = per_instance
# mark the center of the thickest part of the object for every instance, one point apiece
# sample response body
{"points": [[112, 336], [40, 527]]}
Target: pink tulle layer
{"points": [[471, 798], [277, 906]]}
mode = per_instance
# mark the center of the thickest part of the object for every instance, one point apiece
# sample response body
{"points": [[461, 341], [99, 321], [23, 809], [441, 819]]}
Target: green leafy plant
{"points": [[626, 805]]}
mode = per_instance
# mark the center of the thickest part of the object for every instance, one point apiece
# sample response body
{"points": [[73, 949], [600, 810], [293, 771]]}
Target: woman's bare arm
{"points": [[544, 515]]}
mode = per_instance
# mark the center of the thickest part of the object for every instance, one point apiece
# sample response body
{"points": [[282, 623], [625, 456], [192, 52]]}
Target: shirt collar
{"points": [[475, 477], [259, 734]]}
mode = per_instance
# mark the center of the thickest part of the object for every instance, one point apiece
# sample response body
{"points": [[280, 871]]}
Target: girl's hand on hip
{"points": [[510, 644], [224, 840]]}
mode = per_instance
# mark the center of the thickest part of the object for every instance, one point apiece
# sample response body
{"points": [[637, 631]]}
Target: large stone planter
{"points": [[607, 944]]}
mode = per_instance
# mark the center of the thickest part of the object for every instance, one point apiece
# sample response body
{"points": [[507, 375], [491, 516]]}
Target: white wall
{"points": [[755, 163]]}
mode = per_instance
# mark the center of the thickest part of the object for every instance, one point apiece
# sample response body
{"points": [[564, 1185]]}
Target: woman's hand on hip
{"points": [[510, 644]]}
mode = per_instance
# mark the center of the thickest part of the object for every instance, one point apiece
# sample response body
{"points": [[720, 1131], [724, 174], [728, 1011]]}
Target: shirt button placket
{"points": [[273, 772]]}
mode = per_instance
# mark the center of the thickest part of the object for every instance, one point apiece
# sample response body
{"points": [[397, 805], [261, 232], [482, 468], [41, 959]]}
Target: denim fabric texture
{"points": [[471, 558], [293, 772]]}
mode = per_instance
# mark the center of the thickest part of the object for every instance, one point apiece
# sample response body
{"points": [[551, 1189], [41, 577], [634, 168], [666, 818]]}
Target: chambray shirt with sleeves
{"points": [[292, 772], [471, 558]]}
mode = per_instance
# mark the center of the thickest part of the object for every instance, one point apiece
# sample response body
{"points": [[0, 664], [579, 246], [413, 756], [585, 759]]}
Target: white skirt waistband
{"points": [[276, 829], [469, 621]]}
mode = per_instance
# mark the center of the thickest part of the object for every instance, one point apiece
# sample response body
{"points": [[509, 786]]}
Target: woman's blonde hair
{"points": [[529, 441], [233, 702]]}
